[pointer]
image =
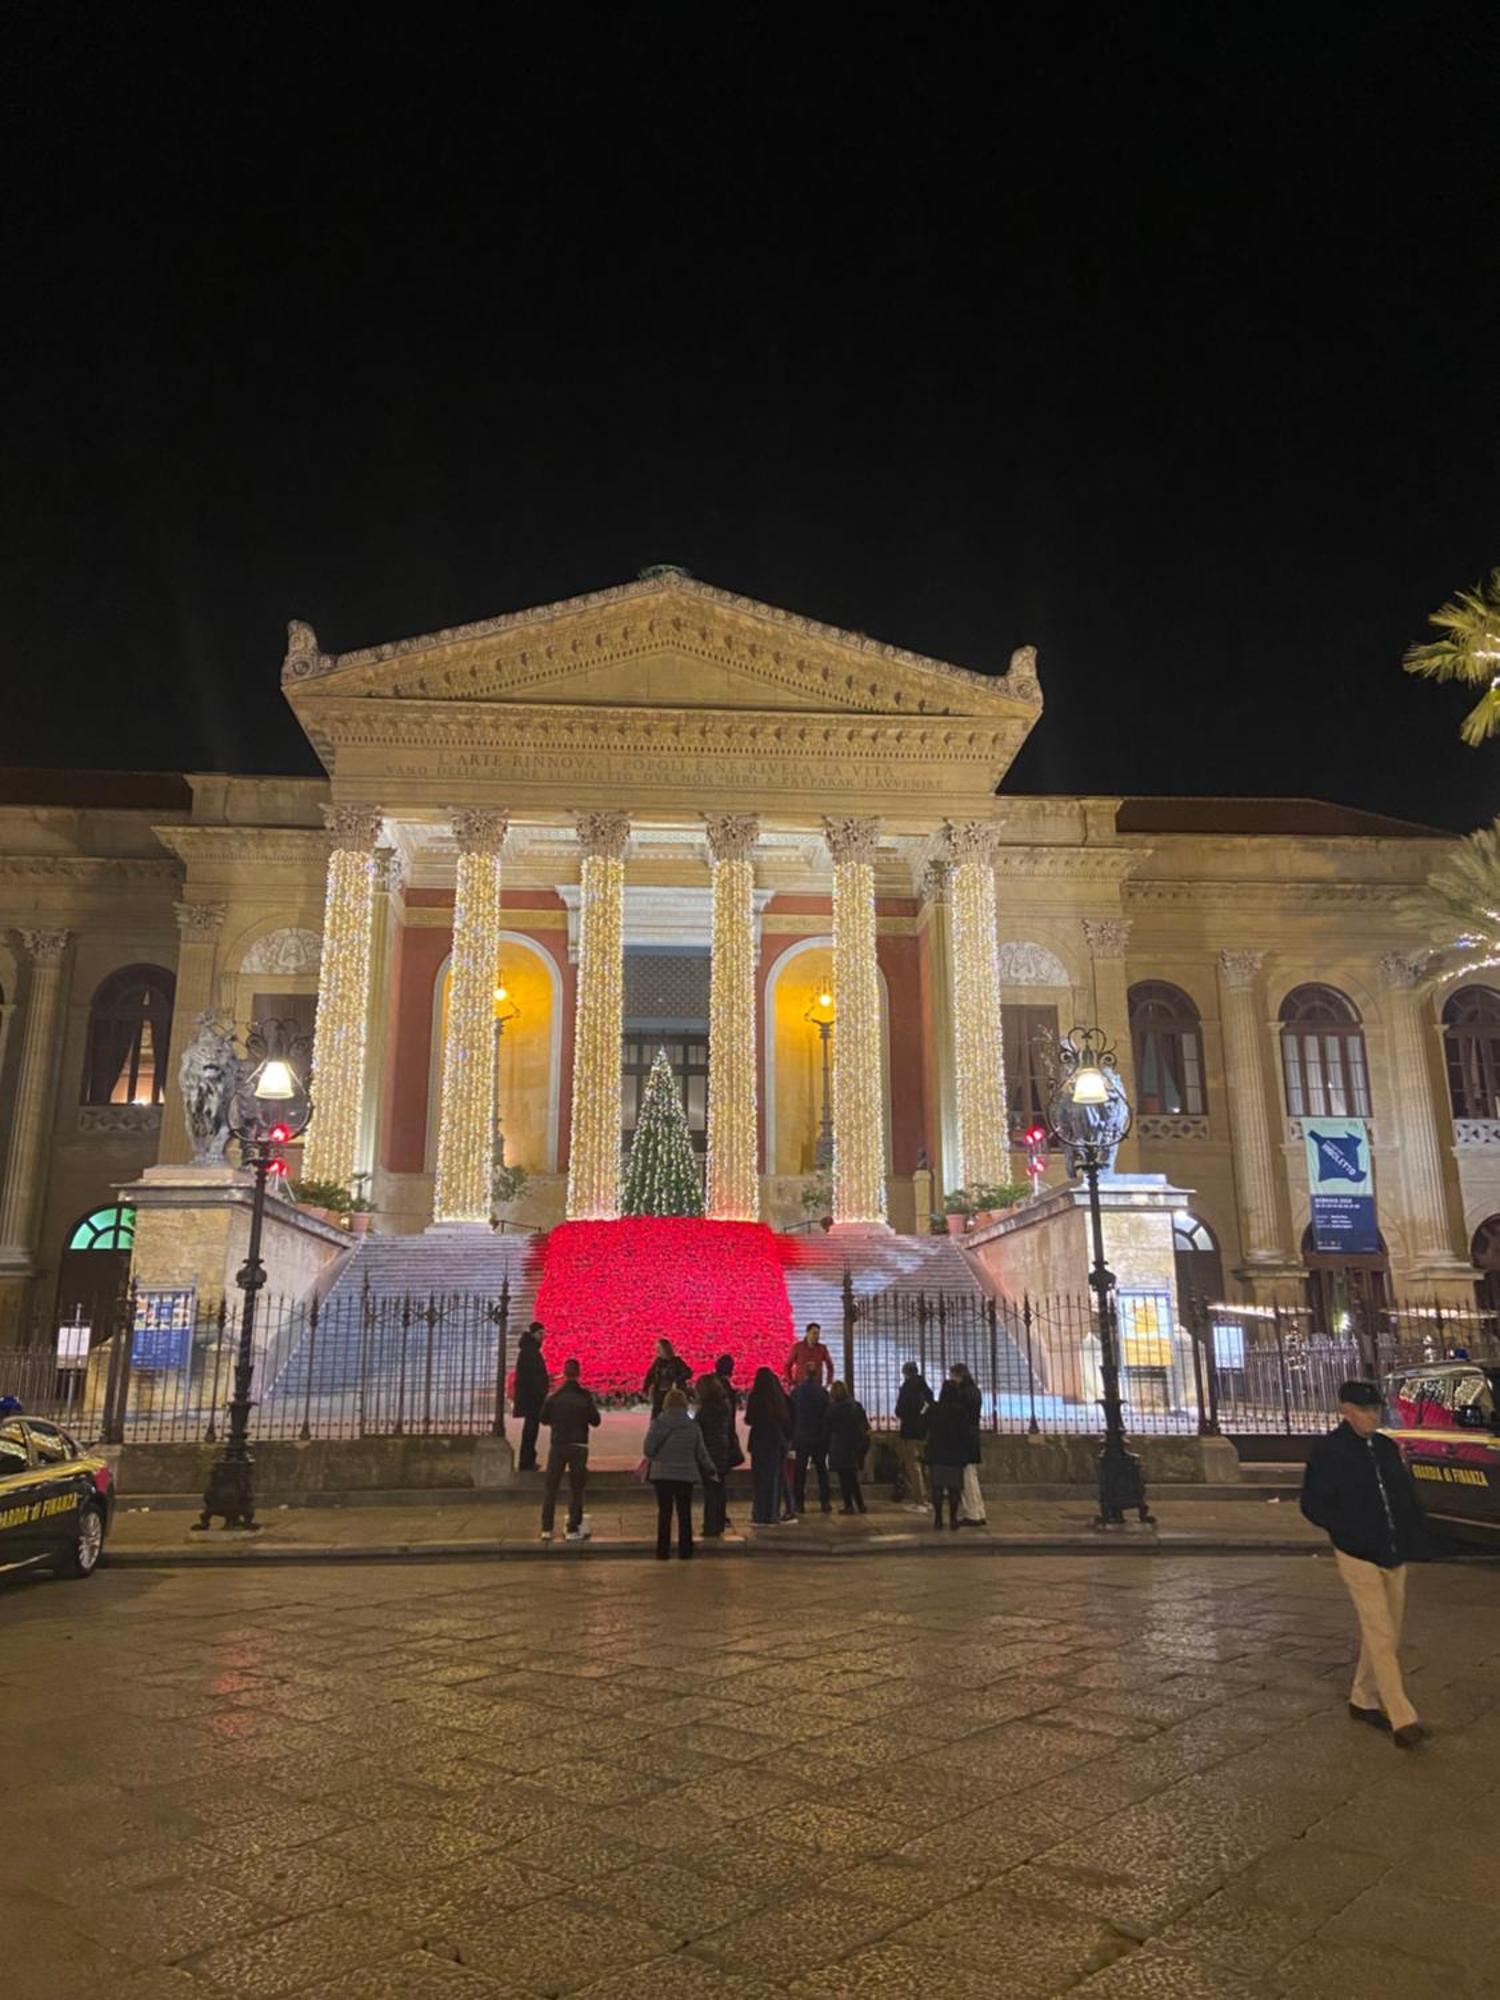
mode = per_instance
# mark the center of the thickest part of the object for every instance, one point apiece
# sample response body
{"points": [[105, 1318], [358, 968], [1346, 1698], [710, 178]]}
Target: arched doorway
{"points": [[1339, 1288], [94, 1268], [1195, 1255]]}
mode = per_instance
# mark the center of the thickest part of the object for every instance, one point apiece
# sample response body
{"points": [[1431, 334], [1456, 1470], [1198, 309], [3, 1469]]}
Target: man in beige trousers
{"points": [[1358, 1490]]}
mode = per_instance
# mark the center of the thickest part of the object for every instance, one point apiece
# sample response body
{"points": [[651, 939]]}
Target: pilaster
{"points": [[594, 1150], [1108, 939], [20, 1197], [733, 1182], [1429, 1231], [340, 1036], [466, 1112], [858, 1099], [1243, 1013], [983, 1150]]}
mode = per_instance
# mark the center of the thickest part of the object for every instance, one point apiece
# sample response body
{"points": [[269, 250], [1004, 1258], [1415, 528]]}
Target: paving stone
{"points": [[1041, 1947], [331, 1947]]}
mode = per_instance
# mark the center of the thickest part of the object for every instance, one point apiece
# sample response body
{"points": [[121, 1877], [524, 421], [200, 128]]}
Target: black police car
{"points": [[56, 1500]]}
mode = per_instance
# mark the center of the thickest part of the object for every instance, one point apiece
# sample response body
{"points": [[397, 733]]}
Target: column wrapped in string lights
{"points": [[978, 1049], [466, 1113], [594, 1150], [858, 1090], [733, 1186], [339, 1036]]}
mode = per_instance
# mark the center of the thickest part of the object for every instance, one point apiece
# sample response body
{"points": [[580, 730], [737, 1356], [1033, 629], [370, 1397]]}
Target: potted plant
{"points": [[361, 1208], [991, 1198], [937, 1223], [324, 1199], [506, 1186], [958, 1206], [817, 1197]]}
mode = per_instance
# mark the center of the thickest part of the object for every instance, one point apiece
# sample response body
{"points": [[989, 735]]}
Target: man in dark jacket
{"points": [[572, 1413], [810, 1440], [529, 1392], [913, 1401], [1358, 1490]]}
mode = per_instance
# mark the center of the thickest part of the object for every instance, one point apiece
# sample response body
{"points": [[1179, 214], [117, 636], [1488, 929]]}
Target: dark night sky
{"points": [[1164, 338]]}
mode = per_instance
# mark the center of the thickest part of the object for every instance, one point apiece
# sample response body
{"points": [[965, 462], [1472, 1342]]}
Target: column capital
{"points": [[1239, 970], [354, 827], [852, 839], [199, 920], [1106, 937], [968, 840], [390, 870], [731, 835], [46, 947], [1399, 971], [603, 835], [935, 882], [479, 829]]}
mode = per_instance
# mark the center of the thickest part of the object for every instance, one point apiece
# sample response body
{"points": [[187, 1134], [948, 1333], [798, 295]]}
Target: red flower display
{"points": [[609, 1290]]}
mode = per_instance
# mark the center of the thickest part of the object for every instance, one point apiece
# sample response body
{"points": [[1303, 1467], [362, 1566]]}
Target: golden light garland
{"points": [[978, 1047], [858, 1093], [466, 1113], [594, 1149], [339, 1032], [733, 1183]]}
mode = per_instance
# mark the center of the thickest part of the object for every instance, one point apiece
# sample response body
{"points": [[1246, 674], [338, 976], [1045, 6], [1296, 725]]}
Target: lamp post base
{"points": [[231, 1492], [1122, 1486]]}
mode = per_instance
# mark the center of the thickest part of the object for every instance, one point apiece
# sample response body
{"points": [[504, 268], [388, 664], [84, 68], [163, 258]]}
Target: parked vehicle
{"points": [[56, 1500], [1444, 1417]]}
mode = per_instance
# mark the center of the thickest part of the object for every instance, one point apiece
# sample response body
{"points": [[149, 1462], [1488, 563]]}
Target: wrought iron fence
{"points": [[363, 1365]]}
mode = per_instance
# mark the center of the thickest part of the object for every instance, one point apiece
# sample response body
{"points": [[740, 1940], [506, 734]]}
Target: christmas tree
{"points": [[661, 1177]]}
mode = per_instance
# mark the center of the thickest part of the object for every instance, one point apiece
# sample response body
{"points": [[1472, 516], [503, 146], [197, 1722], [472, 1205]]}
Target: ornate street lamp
{"points": [[270, 1109], [821, 1015], [1090, 1115]]}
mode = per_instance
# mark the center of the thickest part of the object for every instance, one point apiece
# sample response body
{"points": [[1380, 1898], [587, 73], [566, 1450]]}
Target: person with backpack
{"points": [[913, 1401], [848, 1445], [571, 1413], [529, 1392]]}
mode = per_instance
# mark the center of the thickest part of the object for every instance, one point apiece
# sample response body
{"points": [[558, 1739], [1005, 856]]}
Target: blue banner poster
{"points": [[163, 1334], [1341, 1184]]}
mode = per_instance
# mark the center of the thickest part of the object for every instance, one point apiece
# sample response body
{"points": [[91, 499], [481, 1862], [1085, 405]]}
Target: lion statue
{"points": [[211, 1072]]}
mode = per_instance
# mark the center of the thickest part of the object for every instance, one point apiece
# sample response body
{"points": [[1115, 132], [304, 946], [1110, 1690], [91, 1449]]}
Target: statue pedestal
{"points": [[192, 1229]]}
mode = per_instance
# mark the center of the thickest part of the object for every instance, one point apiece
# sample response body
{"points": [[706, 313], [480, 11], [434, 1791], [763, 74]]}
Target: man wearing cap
{"points": [[1358, 1490]]}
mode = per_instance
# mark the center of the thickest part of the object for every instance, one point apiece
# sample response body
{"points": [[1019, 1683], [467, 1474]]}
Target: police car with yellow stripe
{"points": [[1444, 1417], [56, 1500]]}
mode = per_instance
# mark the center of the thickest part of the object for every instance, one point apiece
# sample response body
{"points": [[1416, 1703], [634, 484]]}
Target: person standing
{"points": [[809, 1357], [971, 1513], [768, 1418], [1360, 1492], [529, 1392], [716, 1422], [676, 1457], [571, 1413], [913, 1401], [810, 1407], [668, 1370], [724, 1369], [848, 1443], [947, 1448]]}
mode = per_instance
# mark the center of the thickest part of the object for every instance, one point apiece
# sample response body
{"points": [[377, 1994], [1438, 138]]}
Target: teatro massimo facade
{"points": [[665, 816]]}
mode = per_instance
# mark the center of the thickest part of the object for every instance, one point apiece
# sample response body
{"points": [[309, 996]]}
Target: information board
{"points": [[163, 1333]]}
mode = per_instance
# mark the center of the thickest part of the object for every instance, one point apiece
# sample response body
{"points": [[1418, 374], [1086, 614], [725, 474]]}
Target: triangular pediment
{"points": [[666, 642]]}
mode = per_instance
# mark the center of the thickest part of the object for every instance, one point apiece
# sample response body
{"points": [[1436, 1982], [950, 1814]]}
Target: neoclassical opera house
{"points": [[662, 815]]}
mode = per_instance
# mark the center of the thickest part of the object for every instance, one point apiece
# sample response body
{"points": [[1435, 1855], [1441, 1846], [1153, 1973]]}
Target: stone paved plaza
{"points": [[1106, 1776]]}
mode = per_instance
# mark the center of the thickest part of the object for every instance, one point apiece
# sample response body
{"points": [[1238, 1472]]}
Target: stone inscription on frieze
{"points": [[626, 768]]}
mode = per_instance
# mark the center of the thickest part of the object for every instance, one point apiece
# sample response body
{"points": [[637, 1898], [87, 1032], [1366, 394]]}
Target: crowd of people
{"points": [[805, 1421]]}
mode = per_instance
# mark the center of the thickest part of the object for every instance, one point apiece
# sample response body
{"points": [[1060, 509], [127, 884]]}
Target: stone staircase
{"points": [[434, 1265]]}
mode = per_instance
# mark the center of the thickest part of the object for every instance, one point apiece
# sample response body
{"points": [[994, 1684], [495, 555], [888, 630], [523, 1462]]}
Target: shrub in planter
{"points": [[325, 1199], [817, 1196], [991, 1197]]}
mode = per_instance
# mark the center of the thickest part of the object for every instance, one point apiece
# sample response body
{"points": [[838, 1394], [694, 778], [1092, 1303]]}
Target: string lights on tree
{"points": [[858, 1089], [466, 1127], [662, 1176], [978, 1043], [594, 1153], [733, 1182], [332, 1152]]}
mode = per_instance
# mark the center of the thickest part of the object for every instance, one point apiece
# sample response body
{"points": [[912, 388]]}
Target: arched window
{"points": [[1323, 1055], [104, 1229], [130, 1032], [1168, 1040], [1195, 1252], [1471, 1041]]}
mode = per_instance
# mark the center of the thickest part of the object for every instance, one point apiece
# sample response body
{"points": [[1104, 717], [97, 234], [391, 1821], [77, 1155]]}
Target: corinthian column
{"points": [[733, 1190], [1249, 1117], [1417, 1113], [858, 1099], [332, 1149], [594, 1150], [198, 927], [21, 1196], [1108, 939], [466, 1116], [978, 1047]]}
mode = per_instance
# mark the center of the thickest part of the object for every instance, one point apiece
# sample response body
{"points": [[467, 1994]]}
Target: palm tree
{"points": [[1459, 909], [1468, 651]]}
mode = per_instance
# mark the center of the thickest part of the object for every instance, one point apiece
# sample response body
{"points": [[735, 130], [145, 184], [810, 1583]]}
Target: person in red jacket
{"points": [[810, 1357]]}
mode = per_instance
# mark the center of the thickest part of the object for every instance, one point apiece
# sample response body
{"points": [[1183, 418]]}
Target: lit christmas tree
{"points": [[661, 1177]]}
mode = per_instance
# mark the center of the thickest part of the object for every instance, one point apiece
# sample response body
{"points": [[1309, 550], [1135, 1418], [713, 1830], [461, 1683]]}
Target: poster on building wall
{"points": [[163, 1333], [1341, 1184]]}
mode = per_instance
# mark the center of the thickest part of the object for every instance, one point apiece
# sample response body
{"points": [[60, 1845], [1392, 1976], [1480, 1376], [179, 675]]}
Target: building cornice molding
{"points": [[1085, 864], [90, 868], [257, 845], [1268, 895]]}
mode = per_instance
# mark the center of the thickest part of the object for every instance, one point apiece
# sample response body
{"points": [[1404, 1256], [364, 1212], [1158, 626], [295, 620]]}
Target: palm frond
{"points": [[1470, 647], [1458, 909]]}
